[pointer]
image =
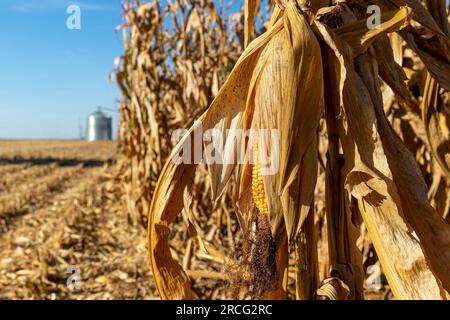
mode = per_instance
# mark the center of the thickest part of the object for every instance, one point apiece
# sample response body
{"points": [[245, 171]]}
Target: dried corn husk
{"points": [[241, 103]]}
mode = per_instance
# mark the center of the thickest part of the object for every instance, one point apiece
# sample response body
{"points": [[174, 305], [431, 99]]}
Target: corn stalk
{"points": [[382, 93]]}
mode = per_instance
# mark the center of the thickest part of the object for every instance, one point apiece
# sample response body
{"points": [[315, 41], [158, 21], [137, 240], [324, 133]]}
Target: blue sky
{"points": [[51, 77]]}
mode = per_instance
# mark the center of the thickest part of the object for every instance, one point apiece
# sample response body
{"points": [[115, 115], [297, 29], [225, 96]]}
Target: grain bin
{"points": [[99, 126]]}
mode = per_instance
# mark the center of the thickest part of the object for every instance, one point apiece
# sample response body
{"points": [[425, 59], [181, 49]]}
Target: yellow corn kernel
{"points": [[259, 196]]}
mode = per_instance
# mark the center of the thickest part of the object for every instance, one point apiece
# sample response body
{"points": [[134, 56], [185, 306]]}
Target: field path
{"points": [[66, 217], [25, 196]]}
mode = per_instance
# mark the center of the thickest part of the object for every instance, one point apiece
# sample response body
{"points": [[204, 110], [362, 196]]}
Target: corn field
{"points": [[289, 149]]}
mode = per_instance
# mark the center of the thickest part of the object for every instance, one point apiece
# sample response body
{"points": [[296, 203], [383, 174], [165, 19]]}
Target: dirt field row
{"points": [[63, 231]]}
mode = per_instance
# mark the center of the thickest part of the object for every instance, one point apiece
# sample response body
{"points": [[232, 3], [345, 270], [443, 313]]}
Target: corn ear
{"points": [[259, 195]]}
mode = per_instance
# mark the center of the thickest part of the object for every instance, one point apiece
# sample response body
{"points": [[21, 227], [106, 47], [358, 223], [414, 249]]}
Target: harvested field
{"points": [[61, 212], [61, 209]]}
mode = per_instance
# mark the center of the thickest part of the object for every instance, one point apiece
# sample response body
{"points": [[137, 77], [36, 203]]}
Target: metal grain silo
{"points": [[99, 127]]}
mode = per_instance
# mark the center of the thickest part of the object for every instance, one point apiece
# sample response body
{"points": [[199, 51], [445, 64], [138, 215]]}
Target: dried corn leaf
{"points": [[360, 37], [429, 106], [419, 12], [332, 289], [390, 71], [438, 68], [396, 194], [250, 11], [431, 101]]}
